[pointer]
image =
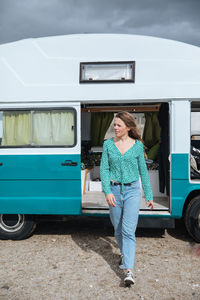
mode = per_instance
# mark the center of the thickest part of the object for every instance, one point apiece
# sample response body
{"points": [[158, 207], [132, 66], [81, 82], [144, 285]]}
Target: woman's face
{"points": [[120, 128]]}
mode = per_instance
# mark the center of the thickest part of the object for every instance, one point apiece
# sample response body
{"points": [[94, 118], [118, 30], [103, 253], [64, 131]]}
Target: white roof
{"points": [[47, 69]]}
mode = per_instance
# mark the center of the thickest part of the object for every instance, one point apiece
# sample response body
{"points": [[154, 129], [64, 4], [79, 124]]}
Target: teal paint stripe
{"points": [[179, 183], [181, 187], [39, 184], [180, 165], [40, 188], [41, 206], [39, 167]]}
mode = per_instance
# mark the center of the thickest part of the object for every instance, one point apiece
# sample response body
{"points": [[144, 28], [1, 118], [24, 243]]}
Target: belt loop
{"points": [[122, 188]]}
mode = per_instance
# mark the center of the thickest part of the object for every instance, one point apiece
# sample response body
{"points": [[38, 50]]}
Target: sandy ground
{"points": [[78, 259]]}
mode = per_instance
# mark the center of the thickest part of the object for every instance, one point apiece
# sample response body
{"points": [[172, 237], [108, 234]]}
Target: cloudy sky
{"points": [[172, 19]]}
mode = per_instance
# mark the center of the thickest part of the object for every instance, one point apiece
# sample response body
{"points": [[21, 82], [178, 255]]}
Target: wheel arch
{"points": [[190, 196]]}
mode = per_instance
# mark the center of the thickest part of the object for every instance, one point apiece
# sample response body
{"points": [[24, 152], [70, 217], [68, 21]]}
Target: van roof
{"points": [[47, 69]]}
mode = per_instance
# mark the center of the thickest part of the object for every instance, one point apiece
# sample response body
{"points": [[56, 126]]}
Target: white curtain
{"points": [[16, 129], [53, 128]]}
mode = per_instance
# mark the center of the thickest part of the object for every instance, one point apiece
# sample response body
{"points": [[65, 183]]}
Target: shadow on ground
{"points": [[101, 226], [96, 234]]}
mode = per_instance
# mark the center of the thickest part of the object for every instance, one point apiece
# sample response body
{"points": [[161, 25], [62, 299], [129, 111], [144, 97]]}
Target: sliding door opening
{"points": [[97, 126]]}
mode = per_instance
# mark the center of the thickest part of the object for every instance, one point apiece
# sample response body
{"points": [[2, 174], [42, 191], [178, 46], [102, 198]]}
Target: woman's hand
{"points": [[110, 198], [150, 204]]}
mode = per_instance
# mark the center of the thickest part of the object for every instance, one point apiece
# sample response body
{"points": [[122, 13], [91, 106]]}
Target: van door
{"points": [[40, 170]]}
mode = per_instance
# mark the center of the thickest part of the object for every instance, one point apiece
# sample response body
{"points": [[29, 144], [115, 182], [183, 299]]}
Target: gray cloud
{"points": [[173, 19]]}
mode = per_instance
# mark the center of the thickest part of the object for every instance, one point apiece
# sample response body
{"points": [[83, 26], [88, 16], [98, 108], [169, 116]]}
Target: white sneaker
{"points": [[128, 280]]}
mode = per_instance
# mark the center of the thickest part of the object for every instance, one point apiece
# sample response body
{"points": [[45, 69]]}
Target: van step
{"points": [[104, 210], [156, 223], [97, 210]]}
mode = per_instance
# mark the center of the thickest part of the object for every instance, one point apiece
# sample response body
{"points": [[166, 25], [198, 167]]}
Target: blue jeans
{"points": [[124, 218]]}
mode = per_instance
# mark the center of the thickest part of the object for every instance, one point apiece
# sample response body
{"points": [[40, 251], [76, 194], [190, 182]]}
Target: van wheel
{"points": [[192, 218], [16, 227]]}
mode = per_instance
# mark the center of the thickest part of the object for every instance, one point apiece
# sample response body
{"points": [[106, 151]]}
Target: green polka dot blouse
{"points": [[124, 168]]}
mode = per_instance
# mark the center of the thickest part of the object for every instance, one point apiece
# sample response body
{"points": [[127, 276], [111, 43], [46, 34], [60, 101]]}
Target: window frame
{"points": [[132, 63], [32, 110]]}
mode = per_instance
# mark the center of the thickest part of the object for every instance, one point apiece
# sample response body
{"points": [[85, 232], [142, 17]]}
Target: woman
{"points": [[121, 164]]}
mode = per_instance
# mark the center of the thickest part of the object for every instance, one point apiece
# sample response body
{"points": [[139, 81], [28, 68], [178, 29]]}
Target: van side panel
{"points": [[181, 185], [179, 182], [40, 184]]}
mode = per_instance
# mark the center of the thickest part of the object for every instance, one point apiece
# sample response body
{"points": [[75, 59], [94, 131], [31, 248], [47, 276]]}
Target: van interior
{"points": [[195, 142], [152, 120]]}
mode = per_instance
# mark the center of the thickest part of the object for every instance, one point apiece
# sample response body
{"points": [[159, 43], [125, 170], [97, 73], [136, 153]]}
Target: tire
{"points": [[16, 227], [192, 218]]}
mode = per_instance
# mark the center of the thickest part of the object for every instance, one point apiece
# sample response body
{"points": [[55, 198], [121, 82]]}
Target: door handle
{"points": [[69, 163], [1, 164]]}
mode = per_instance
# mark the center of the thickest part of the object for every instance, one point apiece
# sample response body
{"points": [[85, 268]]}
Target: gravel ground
{"points": [[78, 259]]}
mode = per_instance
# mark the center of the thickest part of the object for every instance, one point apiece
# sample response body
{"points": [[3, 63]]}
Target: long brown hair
{"points": [[129, 121]]}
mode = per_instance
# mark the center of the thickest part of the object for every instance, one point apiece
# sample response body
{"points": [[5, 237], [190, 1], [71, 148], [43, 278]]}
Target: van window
{"points": [[92, 72], [37, 128]]}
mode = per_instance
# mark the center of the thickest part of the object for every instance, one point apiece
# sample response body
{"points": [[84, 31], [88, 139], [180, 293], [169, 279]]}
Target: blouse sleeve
{"points": [[105, 171], [144, 176]]}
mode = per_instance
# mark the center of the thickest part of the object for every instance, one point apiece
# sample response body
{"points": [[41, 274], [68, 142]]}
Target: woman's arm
{"points": [[105, 171], [144, 176]]}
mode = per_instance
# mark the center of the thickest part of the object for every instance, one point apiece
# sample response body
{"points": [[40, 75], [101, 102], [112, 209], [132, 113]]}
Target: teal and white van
{"points": [[58, 97]]}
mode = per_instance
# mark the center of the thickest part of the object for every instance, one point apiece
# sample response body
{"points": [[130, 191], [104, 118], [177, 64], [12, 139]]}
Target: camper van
{"points": [[58, 99]]}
